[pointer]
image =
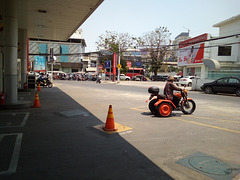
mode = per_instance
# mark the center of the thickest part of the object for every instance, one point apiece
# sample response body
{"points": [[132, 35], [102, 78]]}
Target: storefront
{"points": [[191, 54]]}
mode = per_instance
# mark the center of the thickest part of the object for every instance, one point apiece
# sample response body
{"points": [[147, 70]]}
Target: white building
{"points": [[213, 57], [227, 50], [91, 62]]}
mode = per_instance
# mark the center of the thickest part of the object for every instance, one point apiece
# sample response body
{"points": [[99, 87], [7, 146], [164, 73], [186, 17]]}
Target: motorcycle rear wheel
{"points": [[153, 108], [164, 109], [188, 108]]}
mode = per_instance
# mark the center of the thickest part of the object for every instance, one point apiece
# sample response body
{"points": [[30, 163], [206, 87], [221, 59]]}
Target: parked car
{"points": [[139, 78], [159, 78], [124, 77], [223, 85], [186, 80], [177, 77]]}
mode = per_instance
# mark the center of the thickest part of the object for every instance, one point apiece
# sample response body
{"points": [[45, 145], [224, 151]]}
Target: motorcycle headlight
{"points": [[185, 91]]}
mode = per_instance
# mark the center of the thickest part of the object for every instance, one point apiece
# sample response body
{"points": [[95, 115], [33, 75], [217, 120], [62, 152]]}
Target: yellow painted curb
{"points": [[119, 127]]}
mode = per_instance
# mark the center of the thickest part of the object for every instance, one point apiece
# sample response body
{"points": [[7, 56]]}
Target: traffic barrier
{"points": [[110, 125], [36, 103], [39, 87]]}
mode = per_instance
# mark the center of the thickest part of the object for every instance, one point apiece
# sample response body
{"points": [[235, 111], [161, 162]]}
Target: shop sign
{"points": [[189, 53]]}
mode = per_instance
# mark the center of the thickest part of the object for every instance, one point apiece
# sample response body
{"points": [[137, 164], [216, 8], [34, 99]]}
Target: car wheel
{"points": [[237, 92], [208, 90], [190, 84]]}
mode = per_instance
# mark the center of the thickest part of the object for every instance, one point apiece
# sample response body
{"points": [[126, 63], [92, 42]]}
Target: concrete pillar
{"points": [[203, 72], [23, 55], [185, 71], [10, 40]]}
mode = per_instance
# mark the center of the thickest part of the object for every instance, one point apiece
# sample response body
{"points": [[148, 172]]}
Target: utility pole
{"points": [[118, 77]]}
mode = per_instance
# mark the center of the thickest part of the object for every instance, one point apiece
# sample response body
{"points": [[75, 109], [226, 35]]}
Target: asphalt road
{"points": [[213, 129]]}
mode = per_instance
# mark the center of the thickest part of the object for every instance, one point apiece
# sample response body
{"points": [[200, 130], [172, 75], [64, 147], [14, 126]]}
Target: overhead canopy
{"points": [[212, 64], [54, 19]]}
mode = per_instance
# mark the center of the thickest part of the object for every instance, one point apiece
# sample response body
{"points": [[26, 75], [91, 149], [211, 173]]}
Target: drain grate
{"points": [[72, 113], [210, 166]]}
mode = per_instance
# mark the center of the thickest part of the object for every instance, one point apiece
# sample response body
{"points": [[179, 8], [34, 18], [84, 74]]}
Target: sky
{"points": [[137, 17]]}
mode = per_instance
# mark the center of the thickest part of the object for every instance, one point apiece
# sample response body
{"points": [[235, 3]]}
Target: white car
{"points": [[124, 77], [186, 80]]}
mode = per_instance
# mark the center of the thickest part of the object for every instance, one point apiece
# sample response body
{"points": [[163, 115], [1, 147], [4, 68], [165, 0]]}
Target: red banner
{"points": [[192, 41], [129, 64]]}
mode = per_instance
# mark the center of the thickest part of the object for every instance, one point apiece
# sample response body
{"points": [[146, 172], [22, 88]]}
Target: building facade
{"points": [[213, 57], [227, 50], [68, 55]]}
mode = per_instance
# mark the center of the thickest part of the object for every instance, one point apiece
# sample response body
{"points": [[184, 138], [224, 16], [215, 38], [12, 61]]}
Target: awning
{"points": [[212, 64], [91, 69]]}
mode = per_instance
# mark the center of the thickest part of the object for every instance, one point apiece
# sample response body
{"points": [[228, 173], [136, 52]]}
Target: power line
{"points": [[163, 46]]}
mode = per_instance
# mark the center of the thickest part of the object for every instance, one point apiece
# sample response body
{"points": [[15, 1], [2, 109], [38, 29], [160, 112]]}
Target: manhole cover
{"points": [[210, 165]]}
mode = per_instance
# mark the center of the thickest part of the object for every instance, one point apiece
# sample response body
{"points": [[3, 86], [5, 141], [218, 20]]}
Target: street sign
{"points": [[138, 63], [119, 66], [107, 64]]}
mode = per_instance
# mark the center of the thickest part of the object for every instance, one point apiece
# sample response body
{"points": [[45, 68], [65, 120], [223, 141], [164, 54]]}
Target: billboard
{"points": [[191, 51], [129, 64], [40, 64]]}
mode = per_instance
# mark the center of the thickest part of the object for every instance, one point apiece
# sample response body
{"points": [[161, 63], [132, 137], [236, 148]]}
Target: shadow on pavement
{"points": [[58, 146]]}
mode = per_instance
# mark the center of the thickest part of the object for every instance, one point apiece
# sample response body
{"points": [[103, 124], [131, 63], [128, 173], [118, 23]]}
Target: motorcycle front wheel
{"points": [[50, 85], [188, 107]]}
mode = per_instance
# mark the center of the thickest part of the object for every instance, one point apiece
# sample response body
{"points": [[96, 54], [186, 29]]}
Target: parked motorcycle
{"points": [[98, 81], [44, 82], [160, 106]]}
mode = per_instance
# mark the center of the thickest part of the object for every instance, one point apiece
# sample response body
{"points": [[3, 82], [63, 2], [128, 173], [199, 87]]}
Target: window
{"points": [[224, 50], [222, 81], [233, 80], [135, 71], [93, 64], [64, 50], [43, 48]]}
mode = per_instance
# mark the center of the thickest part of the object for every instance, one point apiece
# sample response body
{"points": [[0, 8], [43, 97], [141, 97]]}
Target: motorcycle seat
{"points": [[161, 96]]}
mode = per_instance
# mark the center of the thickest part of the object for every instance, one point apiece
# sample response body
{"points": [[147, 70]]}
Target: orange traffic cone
{"points": [[39, 87], [110, 126], [36, 103]]}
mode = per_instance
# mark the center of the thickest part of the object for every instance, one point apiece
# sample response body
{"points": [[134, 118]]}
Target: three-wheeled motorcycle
{"points": [[159, 105]]}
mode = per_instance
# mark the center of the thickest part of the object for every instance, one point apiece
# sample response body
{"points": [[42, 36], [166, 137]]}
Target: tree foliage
{"points": [[115, 42], [156, 43]]}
